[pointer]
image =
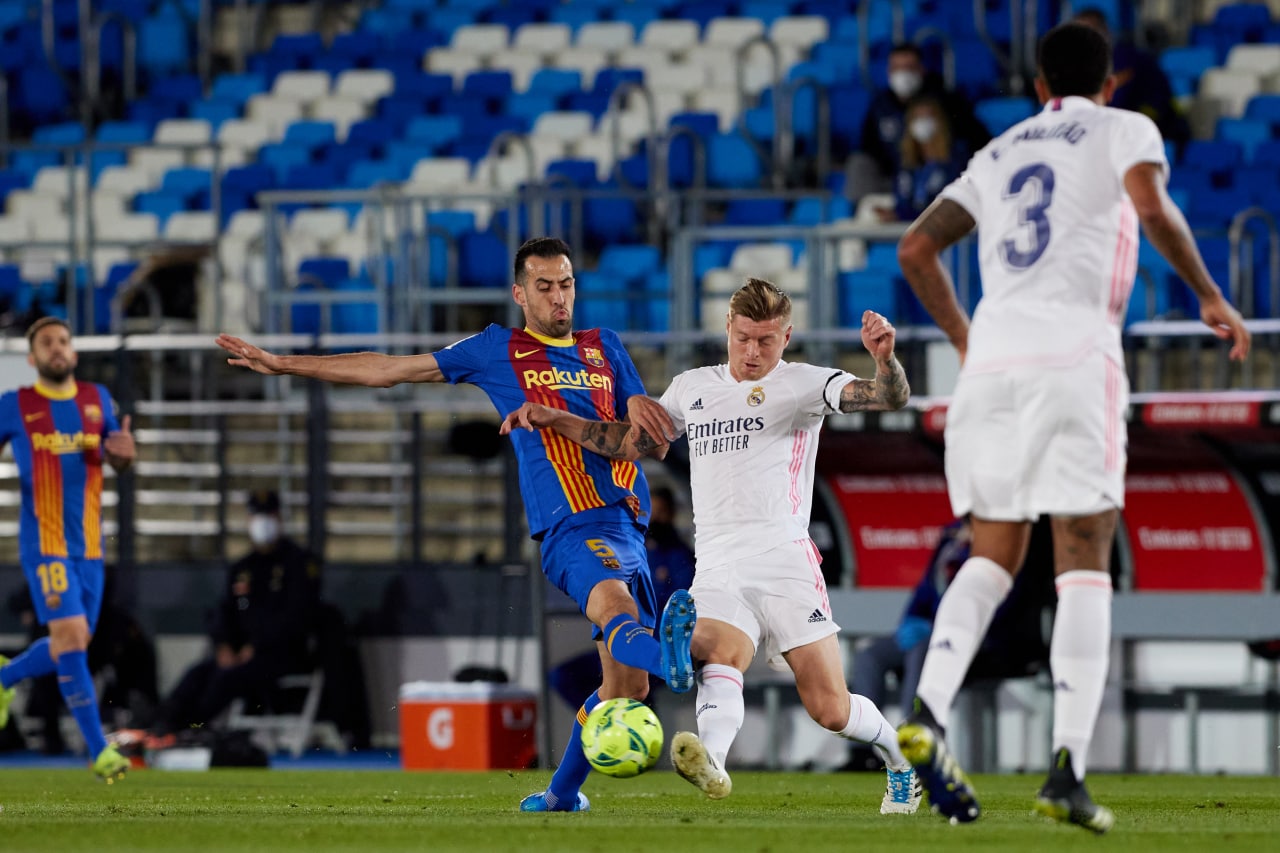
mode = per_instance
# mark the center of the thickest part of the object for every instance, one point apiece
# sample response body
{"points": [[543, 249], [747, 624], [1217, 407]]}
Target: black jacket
{"points": [[270, 602]]}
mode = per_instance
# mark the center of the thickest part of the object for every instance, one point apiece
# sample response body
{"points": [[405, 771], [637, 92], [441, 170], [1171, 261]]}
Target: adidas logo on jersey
{"points": [[817, 616], [697, 405]]}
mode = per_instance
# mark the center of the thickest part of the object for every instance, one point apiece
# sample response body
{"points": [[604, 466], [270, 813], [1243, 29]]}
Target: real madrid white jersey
{"points": [[752, 447], [1057, 233]]}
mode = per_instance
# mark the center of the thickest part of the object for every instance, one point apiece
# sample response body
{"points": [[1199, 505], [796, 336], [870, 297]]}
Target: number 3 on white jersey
{"points": [[1032, 188]]}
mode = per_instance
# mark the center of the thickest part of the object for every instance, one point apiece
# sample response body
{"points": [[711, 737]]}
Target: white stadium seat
{"points": [[732, 32], [304, 86], [670, 35], [481, 39], [183, 131], [610, 36], [191, 226], [542, 38], [801, 31], [564, 125], [364, 84]]}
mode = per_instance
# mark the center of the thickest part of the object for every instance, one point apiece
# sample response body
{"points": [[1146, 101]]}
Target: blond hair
{"points": [[760, 300]]}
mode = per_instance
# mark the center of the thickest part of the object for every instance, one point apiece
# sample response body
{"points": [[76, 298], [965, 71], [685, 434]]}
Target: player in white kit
{"points": [[753, 427], [1037, 422]]}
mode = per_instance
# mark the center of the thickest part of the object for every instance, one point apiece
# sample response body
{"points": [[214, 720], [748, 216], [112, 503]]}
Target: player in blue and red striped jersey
{"points": [[61, 431], [588, 512]]}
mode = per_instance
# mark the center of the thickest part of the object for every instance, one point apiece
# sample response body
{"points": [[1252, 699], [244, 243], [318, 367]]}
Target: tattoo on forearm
{"points": [[887, 392], [607, 439], [644, 444], [945, 222]]}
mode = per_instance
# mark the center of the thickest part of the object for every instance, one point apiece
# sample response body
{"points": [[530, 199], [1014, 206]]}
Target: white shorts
{"points": [[778, 598], [1035, 440]]}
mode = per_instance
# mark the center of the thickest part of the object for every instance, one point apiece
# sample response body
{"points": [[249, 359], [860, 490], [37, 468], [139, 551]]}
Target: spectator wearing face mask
{"points": [[262, 627], [885, 124], [929, 159]]}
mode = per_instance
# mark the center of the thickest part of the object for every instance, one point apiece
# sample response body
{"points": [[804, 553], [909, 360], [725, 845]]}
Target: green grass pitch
{"points": [[259, 810]]}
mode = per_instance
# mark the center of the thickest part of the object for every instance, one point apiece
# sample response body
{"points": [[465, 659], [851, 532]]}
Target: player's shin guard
{"points": [[32, 663], [963, 618], [82, 699], [1079, 654], [721, 709], [631, 644], [573, 769]]}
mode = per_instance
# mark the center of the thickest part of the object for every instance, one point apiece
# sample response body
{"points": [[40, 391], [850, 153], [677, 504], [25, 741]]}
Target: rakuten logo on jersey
{"points": [[554, 379], [59, 443]]}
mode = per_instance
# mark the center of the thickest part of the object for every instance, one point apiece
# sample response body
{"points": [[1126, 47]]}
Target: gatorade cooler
{"points": [[446, 725]]}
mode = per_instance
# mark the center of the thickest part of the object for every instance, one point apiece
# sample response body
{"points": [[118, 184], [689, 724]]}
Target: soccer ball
{"points": [[622, 738]]}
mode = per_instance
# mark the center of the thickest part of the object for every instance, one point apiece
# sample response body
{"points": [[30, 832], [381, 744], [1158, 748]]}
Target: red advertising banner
{"points": [[894, 523], [1192, 530]]}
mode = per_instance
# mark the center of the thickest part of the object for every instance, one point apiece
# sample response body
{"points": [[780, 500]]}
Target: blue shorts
{"points": [[577, 556], [64, 586]]}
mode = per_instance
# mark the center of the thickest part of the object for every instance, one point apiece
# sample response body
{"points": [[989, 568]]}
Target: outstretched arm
{"points": [[610, 439], [1167, 229], [889, 390], [919, 254], [358, 368]]}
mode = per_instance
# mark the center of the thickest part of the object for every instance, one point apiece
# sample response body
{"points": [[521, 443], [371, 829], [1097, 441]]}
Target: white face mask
{"points": [[905, 83], [923, 128], [263, 530]]}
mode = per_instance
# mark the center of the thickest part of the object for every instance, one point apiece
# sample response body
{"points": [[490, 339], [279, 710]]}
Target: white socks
{"points": [[867, 725], [1079, 656], [958, 629], [720, 709]]}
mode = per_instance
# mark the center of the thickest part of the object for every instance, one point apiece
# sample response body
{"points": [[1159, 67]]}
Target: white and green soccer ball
{"points": [[622, 737]]}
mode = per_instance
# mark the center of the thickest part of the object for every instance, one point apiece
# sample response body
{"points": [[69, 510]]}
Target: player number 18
{"points": [[53, 577]]}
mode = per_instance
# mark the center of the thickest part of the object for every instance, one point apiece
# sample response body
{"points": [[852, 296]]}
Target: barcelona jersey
{"points": [[591, 376], [57, 444]]}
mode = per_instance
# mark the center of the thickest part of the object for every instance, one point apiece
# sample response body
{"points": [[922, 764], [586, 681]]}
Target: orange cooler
{"points": [[447, 725]]}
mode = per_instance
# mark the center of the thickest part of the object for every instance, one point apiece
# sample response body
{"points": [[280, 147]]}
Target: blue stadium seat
{"points": [[237, 88], [608, 79], [1246, 132], [866, 290], [215, 111], [732, 162], [636, 14], [63, 133], [281, 158], [1267, 154], [424, 85], [1242, 22], [1000, 114], [162, 204], [368, 173], [372, 132], [1213, 154], [164, 45], [439, 131], [849, 104], [1187, 63], [482, 260], [610, 220], [297, 50], [190, 183], [182, 88], [304, 319], [455, 223], [756, 211], [603, 302], [766, 10], [328, 271], [1264, 108], [355, 318], [361, 47], [629, 264], [312, 176], [578, 173], [527, 106], [310, 134], [556, 82], [655, 309], [487, 84]]}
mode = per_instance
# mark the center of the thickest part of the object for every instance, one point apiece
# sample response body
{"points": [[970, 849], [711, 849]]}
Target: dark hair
{"points": [[42, 323], [1074, 59], [907, 47], [539, 247], [1094, 17]]}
